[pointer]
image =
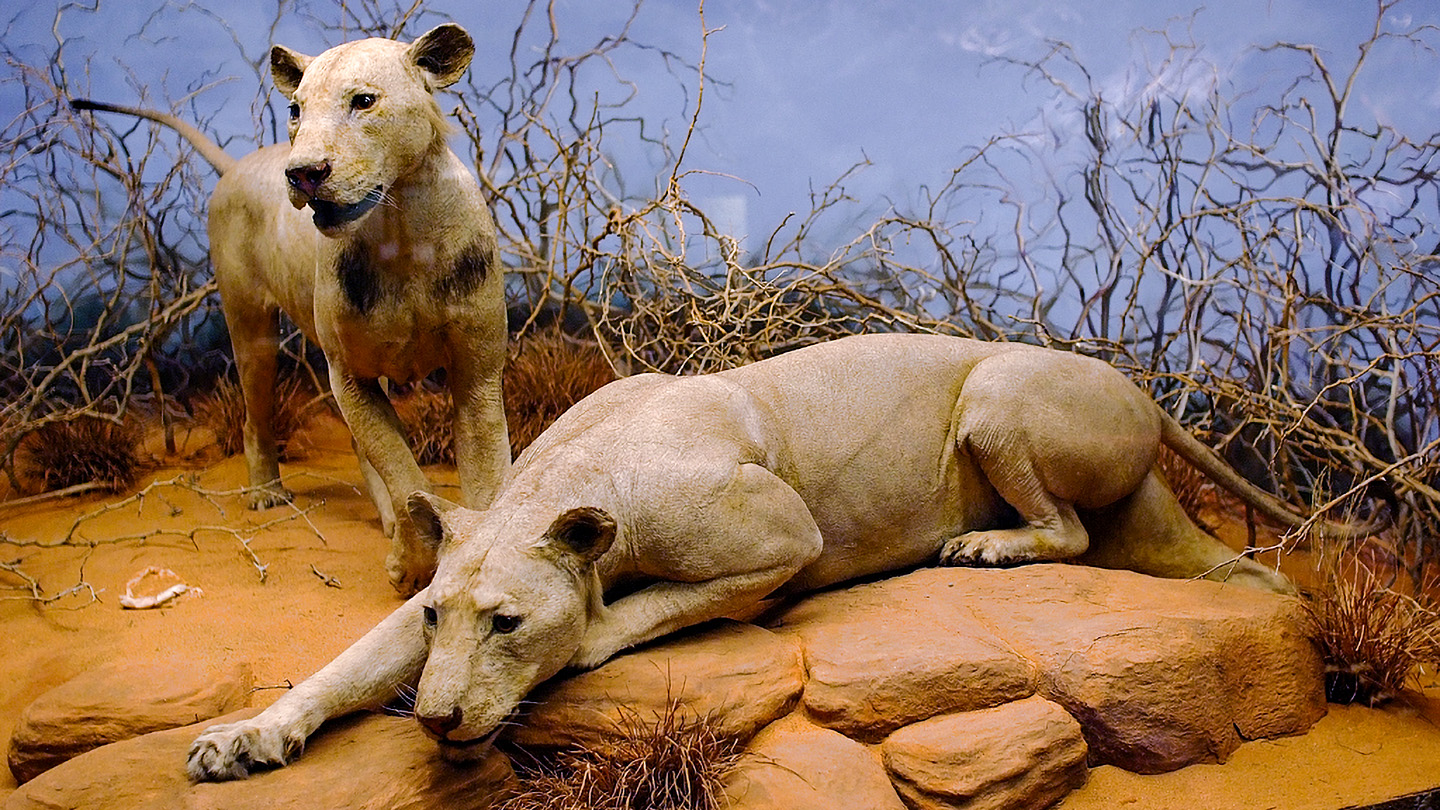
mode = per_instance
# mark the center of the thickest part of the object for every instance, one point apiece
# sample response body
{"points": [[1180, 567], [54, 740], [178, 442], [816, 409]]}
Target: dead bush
{"points": [[1372, 636], [223, 411], [674, 761], [84, 450], [547, 373]]}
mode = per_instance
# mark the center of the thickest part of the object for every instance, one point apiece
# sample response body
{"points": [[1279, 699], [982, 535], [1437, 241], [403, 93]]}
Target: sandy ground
{"points": [[292, 622]]}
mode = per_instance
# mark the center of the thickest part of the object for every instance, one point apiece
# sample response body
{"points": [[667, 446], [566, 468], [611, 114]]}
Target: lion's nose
{"points": [[440, 726], [307, 179]]}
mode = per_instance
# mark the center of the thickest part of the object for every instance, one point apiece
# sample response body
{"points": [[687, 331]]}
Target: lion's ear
{"points": [[286, 68], [427, 513], [444, 52], [584, 533]]}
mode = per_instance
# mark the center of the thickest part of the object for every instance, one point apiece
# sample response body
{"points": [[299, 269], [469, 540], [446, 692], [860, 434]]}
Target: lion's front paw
{"points": [[233, 750], [271, 494], [409, 569]]}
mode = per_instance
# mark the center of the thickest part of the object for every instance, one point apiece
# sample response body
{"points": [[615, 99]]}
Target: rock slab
{"points": [[1028, 753], [797, 765], [943, 688], [117, 702], [883, 656], [363, 762]]}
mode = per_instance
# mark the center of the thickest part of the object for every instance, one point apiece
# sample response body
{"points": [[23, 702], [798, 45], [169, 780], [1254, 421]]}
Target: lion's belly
{"points": [[895, 512], [870, 442]]}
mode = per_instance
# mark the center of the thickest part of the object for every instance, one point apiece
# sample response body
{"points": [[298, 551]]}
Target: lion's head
{"points": [[362, 115], [507, 609]]}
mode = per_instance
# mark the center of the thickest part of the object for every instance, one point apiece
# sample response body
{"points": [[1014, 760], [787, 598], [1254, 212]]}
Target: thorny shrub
{"points": [[547, 373], [427, 415], [1372, 637], [87, 450]]}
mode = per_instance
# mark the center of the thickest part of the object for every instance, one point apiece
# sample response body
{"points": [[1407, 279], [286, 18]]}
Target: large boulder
{"points": [[363, 762], [1160, 673], [797, 765], [737, 675], [119, 701], [1029, 753]]}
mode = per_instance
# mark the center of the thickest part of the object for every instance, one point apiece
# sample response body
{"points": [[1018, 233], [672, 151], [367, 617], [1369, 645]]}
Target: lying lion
{"points": [[684, 499], [394, 270]]}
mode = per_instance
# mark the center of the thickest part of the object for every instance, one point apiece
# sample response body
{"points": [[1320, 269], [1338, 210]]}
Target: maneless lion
{"points": [[393, 270], [659, 502]]}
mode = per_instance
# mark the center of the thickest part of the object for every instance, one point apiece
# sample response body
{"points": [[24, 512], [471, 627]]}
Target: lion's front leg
{"points": [[234, 750], [741, 548], [482, 438], [669, 606], [380, 438], [365, 676]]}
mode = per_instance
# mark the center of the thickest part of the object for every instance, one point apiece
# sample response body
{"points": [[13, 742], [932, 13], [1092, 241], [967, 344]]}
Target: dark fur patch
{"points": [[465, 277], [358, 279]]}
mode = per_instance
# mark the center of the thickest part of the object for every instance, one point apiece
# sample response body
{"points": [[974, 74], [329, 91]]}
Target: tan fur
{"points": [[684, 499], [381, 250]]}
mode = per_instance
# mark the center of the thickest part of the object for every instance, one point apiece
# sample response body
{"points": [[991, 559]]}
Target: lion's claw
{"points": [[268, 496], [976, 548]]}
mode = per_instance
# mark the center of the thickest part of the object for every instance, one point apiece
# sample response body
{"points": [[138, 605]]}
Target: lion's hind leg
{"points": [[1051, 432], [255, 338]]}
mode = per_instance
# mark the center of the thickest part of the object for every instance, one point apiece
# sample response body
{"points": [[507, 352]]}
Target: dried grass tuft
{"points": [[85, 450], [675, 761], [1372, 637], [223, 411], [547, 373]]}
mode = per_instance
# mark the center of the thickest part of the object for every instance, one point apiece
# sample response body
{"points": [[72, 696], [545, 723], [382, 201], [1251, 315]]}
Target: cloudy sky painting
{"points": [[801, 91]]}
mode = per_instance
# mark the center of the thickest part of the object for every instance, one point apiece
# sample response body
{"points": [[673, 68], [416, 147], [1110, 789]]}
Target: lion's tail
{"points": [[1177, 438], [207, 148]]}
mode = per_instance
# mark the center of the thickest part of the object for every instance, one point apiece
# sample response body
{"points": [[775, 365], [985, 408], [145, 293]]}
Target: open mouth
{"points": [[329, 216]]}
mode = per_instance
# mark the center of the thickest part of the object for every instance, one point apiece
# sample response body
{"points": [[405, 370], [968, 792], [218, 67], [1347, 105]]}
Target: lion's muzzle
{"points": [[441, 725], [306, 180]]}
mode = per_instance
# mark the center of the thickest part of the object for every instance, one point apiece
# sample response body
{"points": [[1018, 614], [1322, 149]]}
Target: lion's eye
{"points": [[505, 624], [362, 101], [430, 617], [294, 112]]}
